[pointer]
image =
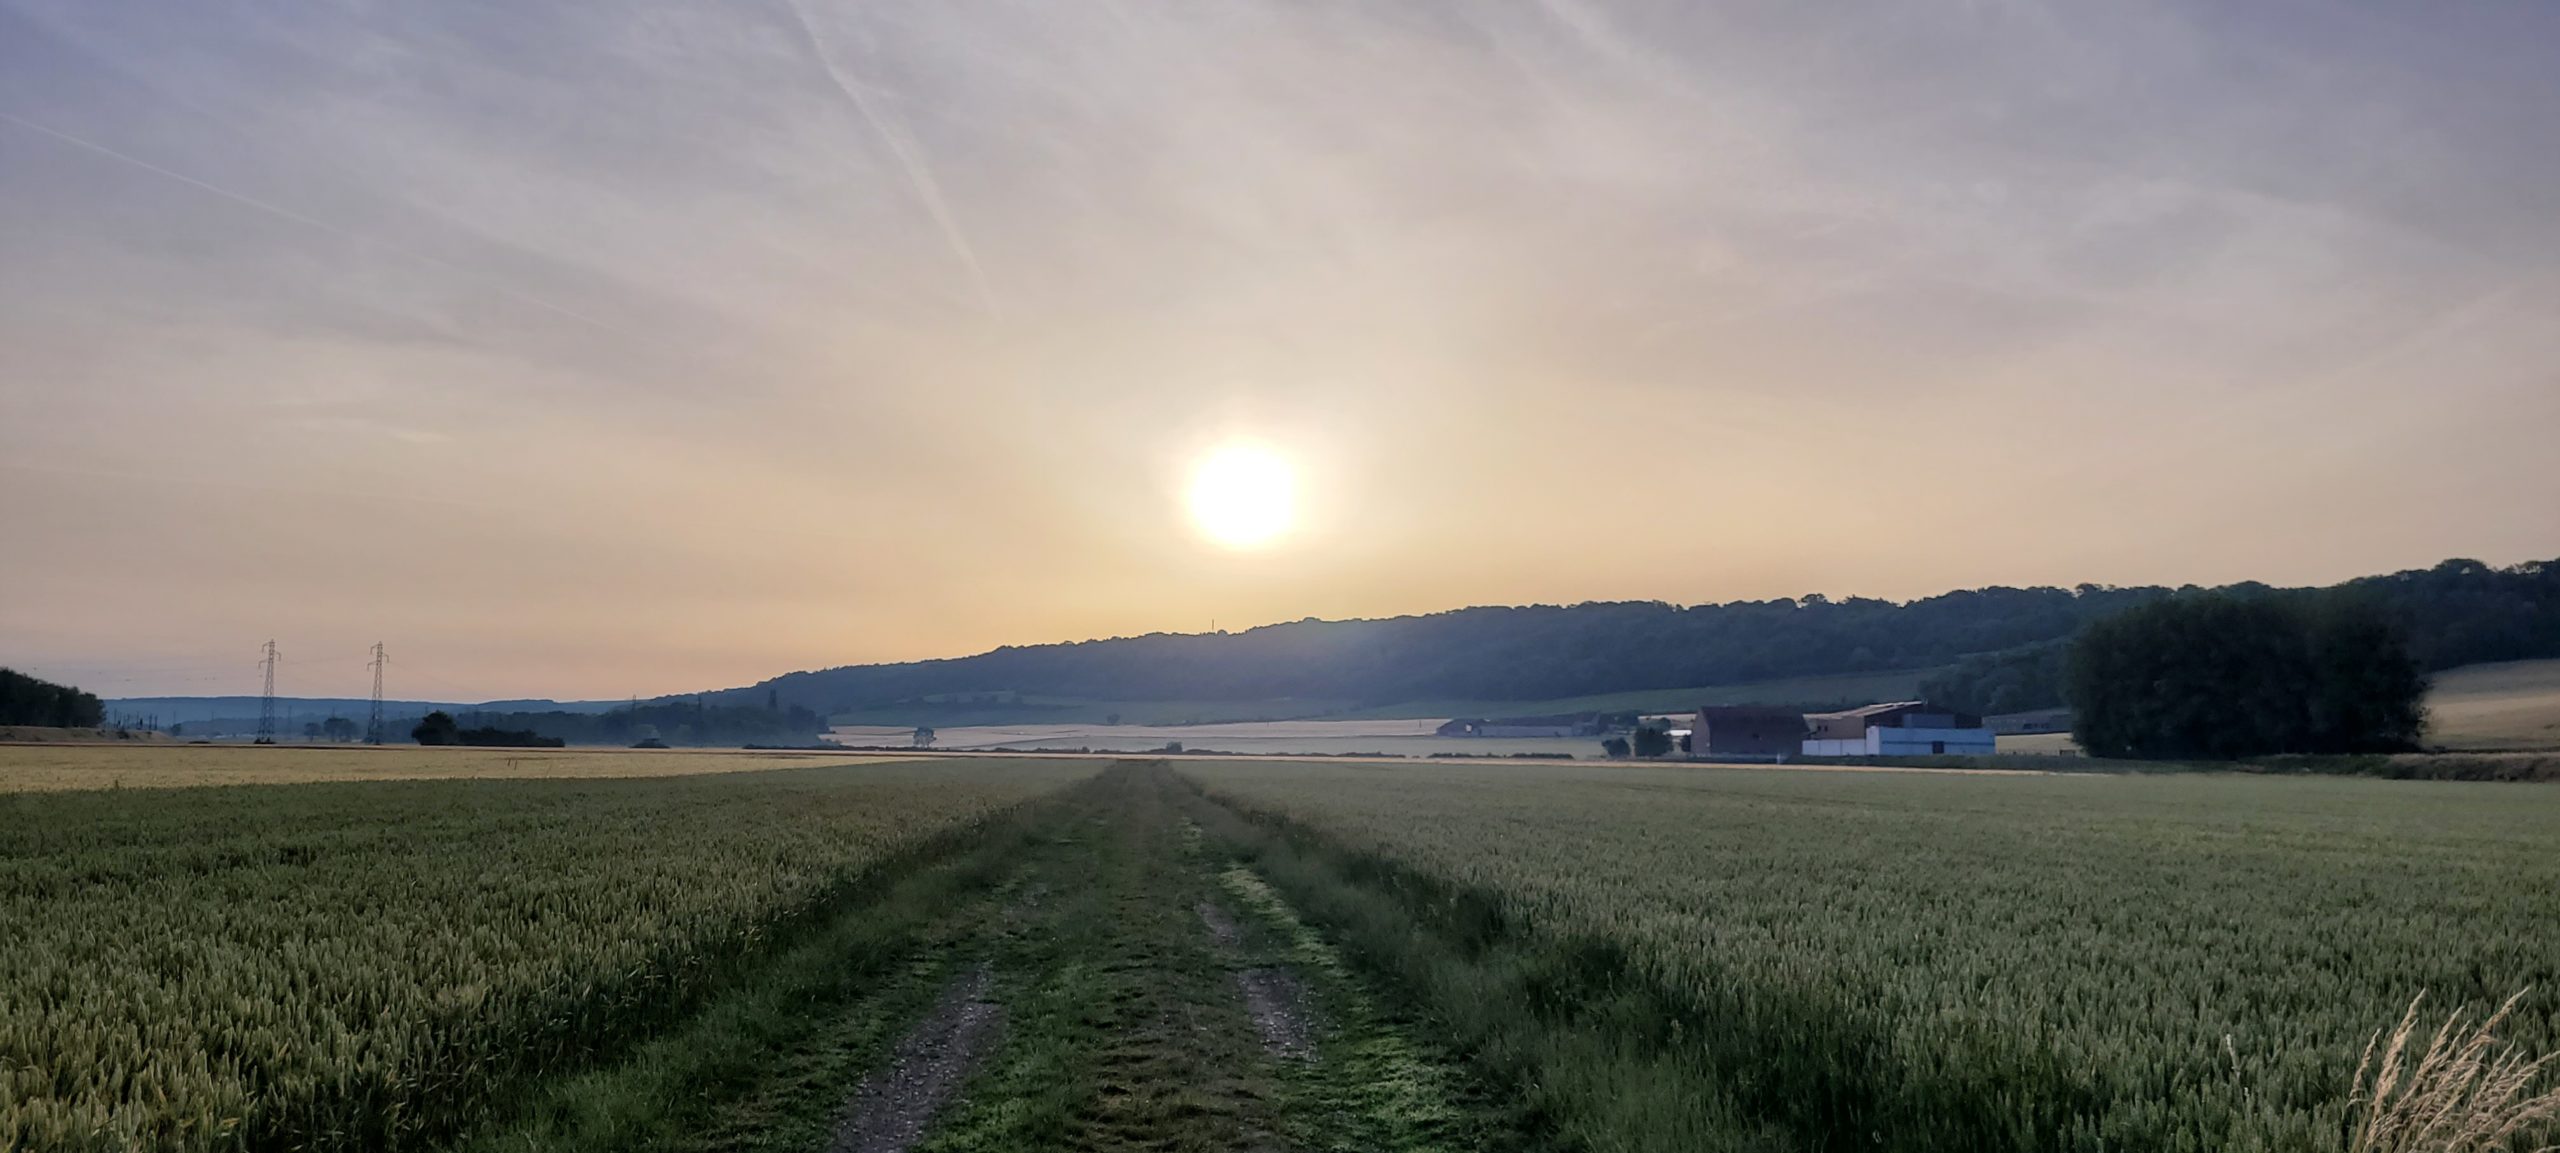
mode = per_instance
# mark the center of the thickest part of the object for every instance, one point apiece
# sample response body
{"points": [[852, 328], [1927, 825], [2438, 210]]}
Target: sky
{"points": [[590, 349]]}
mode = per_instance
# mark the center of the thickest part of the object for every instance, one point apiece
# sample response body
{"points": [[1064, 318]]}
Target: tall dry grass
{"points": [[2468, 1092]]}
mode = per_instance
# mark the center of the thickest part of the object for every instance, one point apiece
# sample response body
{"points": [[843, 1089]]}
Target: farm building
{"points": [[1900, 729], [1745, 731]]}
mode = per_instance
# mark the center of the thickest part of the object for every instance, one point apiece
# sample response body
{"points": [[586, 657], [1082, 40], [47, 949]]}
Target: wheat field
{"points": [[55, 767]]}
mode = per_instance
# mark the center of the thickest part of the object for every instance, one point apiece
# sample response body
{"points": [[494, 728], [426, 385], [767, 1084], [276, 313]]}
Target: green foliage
{"points": [[497, 738], [2463, 612], [2010, 681], [683, 722], [368, 966], [1947, 963], [1615, 748], [437, 728], [1648, 741], [2221, 675], [24, 700]]}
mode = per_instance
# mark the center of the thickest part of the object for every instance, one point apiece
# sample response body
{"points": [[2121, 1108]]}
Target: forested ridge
{"points": [[2458, 612]]}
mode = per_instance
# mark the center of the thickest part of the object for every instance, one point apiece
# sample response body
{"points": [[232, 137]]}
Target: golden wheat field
{"points": [[53, 767]]}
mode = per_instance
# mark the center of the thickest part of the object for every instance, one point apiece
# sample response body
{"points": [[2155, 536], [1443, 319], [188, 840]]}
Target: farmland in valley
{"points": [[969, 956]]}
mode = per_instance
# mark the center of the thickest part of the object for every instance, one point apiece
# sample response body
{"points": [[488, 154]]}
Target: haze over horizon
{"points": [[594, 350]]}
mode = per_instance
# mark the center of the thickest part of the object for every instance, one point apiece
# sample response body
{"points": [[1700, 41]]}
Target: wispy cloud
{"points": [[764, 323], [284, 213], [909, 155]]}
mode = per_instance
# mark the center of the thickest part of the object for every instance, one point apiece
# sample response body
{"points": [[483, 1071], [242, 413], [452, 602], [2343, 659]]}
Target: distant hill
{"points": [[2459, 612]]}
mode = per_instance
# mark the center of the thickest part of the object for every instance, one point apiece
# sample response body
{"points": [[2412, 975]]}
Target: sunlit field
{"points": [[43, 768], [1378, 956], [365, 966], [1963, 963]]}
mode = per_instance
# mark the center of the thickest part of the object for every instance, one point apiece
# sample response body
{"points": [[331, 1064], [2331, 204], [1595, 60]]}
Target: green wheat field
{"points": [[1475, 956]]}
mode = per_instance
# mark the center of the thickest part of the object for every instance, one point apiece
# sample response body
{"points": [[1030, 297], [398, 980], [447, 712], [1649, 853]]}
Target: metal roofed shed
{"points": [[1897, 729]]}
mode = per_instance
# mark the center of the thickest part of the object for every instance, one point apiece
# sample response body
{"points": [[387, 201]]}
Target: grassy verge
{"points": [[1377, 1080], [2511, 766], [1590, 1055], [1123, 1033], [2422, 766], [1128, 1029]]}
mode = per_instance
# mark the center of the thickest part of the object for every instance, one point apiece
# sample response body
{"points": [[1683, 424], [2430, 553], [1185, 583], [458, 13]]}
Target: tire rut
{"points": [[1275, 998], [891, 1110]]}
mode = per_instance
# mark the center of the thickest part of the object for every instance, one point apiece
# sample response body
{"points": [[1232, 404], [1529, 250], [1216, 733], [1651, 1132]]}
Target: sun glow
{"points": [[1244, 496]]}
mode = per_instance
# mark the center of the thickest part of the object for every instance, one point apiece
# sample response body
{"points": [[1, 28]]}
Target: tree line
{"points": [[439, 728], [2461, 612], [26, 700], [2458, 612], [2219, 675], [685, 722]]}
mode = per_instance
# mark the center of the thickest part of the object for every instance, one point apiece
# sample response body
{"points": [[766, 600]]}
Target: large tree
{"points": [[2222, 674], [437, 728]]}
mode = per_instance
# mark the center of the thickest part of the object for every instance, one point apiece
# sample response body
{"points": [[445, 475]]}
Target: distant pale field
{"points": [[50, 768], [2041, 744], [2512, 705], [1844, 688], [1413, 738]]}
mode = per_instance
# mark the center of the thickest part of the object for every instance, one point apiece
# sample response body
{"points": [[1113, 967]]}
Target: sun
{"points": [[1244, 496]]}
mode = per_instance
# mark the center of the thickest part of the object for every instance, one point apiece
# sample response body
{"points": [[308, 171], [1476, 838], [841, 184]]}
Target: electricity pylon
{"points": [[267, 698], [373, 724]]}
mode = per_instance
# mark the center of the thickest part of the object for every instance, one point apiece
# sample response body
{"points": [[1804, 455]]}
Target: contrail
{"points": [[322, 225], [919, 176]]}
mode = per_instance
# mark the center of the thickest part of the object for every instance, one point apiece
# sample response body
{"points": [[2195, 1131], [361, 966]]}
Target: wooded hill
{"points": [[2458, 612]]}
